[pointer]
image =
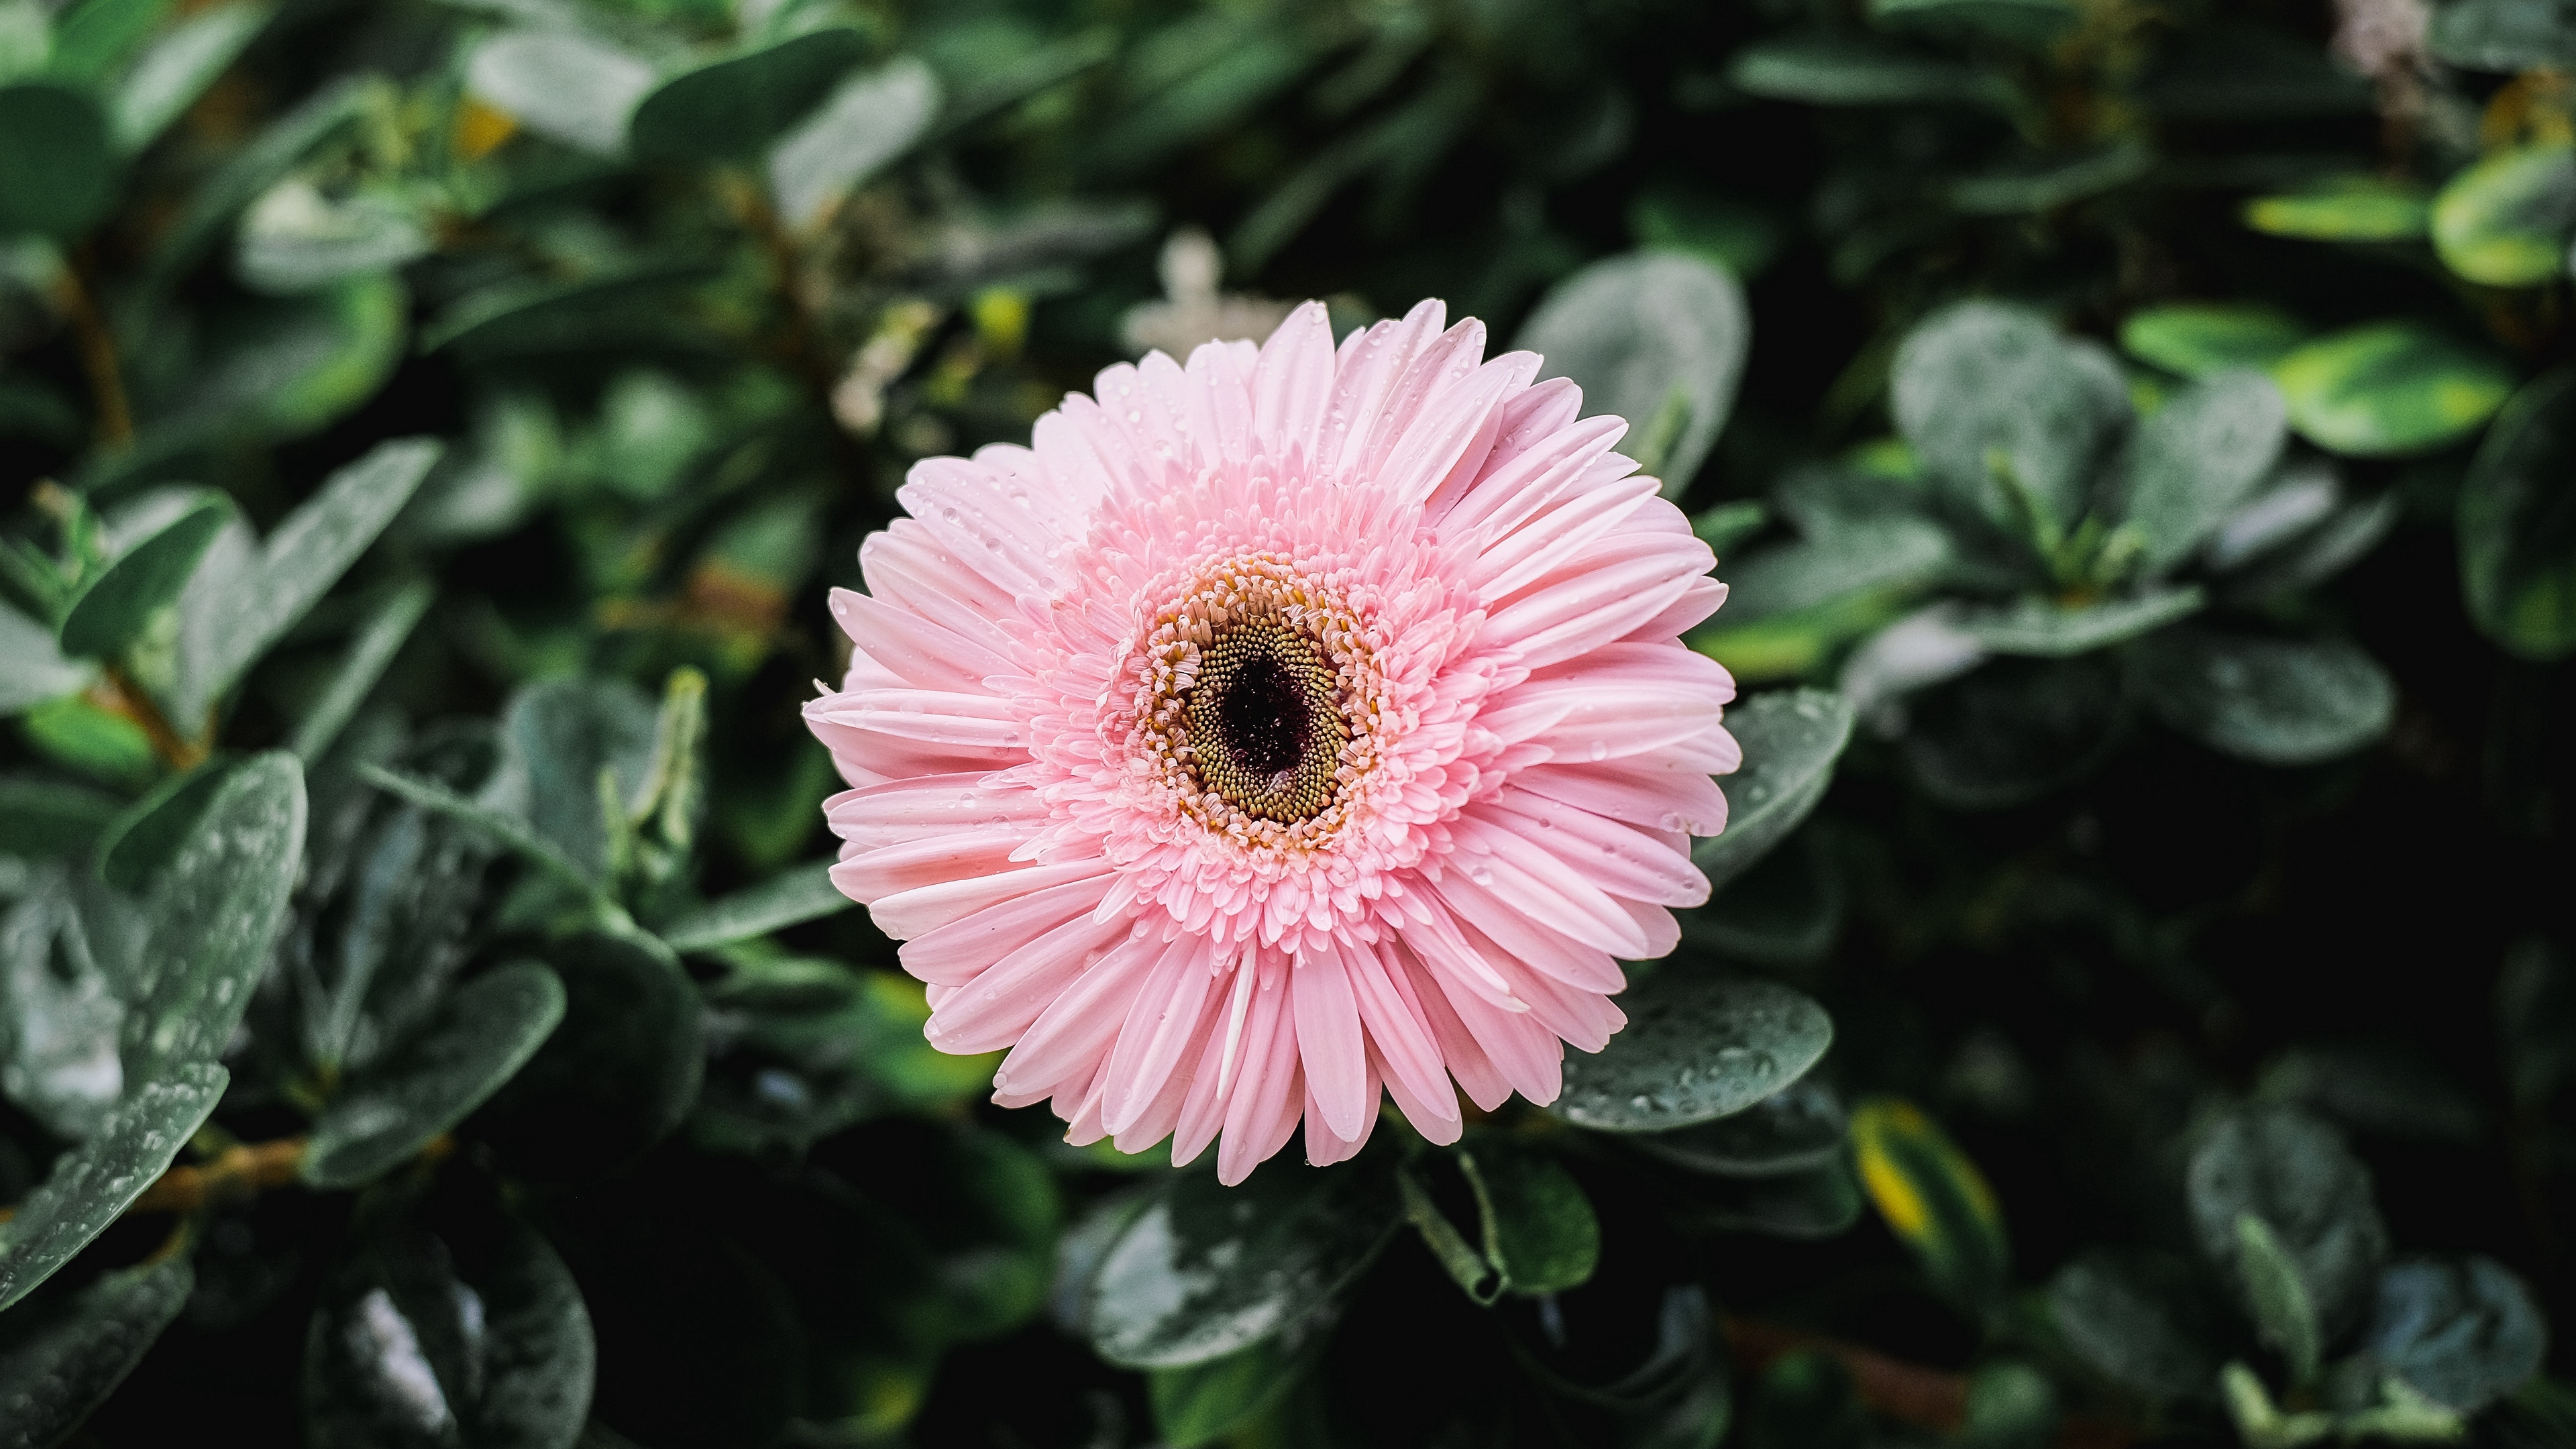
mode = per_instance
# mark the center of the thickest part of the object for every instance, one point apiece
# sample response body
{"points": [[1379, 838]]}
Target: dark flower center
{"points": [[1265, 729]]}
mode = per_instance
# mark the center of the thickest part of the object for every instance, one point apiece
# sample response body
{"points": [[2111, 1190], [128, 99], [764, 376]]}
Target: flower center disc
{"points": [[1264, 727]]}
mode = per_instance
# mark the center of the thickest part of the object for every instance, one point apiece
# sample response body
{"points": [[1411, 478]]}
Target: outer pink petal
{"points": [[1329, 1040], [1292, 385]]}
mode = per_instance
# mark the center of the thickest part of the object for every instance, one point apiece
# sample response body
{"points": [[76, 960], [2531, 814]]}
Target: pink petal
{"points": [[1163, 1022], [956, 953], [1292, 385], [1329, 1040]]}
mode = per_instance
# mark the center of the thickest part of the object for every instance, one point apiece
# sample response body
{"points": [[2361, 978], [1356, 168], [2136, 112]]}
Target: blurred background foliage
{"points": [[2138, 1003]]}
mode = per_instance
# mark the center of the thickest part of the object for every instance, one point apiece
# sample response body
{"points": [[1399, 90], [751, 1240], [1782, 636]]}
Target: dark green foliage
{"points": [[2134, 1002]]}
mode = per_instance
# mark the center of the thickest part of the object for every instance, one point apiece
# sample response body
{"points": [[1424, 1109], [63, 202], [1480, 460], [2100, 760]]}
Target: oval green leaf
{"points": [[2270, 700], [2464, 1332], [2394, 387], [1209, 1270], [93, 1183], [1697, 1047], [214, 913], [2312, 1195], [1791, 738], [116, 605], [1656, 337], [2042, 628], [1934, 1199], [2505, 221], [483, 1033], [1792, 1131], [59, 1361], [734, 106], [2198, 457], [2346, 209], [2517, 531], [2197, 339]]}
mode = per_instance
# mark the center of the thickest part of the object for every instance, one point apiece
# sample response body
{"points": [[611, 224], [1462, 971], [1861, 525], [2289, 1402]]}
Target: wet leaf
{"points": [[792, 897], [59, 1016], [2013, 729], [2006, 413], [2463, 1331], [2271, 700], [211, 916], [2310, 1193], [1697, 1047], [112, 609], [2201, 455], [562, 738], [1656, 337], [294, 239], [1793, 1131], [1934, 1199], [1791, 738], [59, 1361], [92, 1184], [1208, 1270], [617, 1075], [2041, 628], [483, 1033]]}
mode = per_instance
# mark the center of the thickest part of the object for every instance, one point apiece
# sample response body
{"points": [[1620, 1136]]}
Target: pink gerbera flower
{"points": [[1274, 730]]}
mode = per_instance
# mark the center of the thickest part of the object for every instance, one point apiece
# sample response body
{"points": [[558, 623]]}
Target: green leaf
{"points": [[293, 366], [564, 737], [513, 318], [59, 1016], [2030, 23], [59, 1361], [412, 1346], [41, 817], [1882, 554], [32, 666], [78, 735], [2040, 627], [564, 86], [2201, 455], [2504, 35], [1697, 1047], [2270, 700], [2045, 182], [2011, 1405], [1934, 1199], [1202, 1403], [94, 38], [2462, 1331], [2310, 1192], [1786, 910], [2345, 209], [379, 639], [1638, 330], [483, 1033], [790, 898], [730, 108], [294, 239], [1791, 738], [298, 564], [213, 914], [1994, 400], [113, 608], [1209, 1270], [2197, 340], [147, 835], [505, 830], [92, 1184], [2132, 1321], [1540, 1232], [872, 120], [617, 1075], [2276, 1298], [178, 67], [1821, 1202], [2517, 523], [2390, 387], [57, 159], [1728, 524], [1826, 70], [2505, 221], [1796, 1130], [2013, 729]]}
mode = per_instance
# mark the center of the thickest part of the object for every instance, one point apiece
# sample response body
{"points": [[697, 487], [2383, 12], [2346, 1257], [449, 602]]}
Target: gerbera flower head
{"points": [[1278, 730]]}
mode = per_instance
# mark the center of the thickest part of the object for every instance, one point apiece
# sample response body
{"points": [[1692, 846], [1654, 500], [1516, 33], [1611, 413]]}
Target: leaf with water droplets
{"points": [[1697, 1047], [213, 914], [1208, 1269], [61, 1360], [94, 1182], [1797, 1130], [1791, 738], [484, 1032]]}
